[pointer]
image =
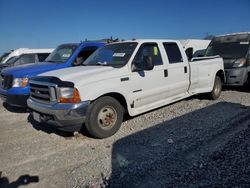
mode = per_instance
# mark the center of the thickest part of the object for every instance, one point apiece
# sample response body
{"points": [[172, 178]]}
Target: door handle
{"points": [[166, 73], [185, 69]]}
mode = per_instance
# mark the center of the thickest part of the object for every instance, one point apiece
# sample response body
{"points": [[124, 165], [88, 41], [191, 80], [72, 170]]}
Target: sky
{"points": [[48, 23]]}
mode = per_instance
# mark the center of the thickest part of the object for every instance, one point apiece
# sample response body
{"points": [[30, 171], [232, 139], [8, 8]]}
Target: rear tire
{"points": [[104, 117], [217, 88]]}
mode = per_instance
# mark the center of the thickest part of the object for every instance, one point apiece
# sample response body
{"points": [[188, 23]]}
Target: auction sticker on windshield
{"points": [[65, 55], [119, 54], [244, 42]]}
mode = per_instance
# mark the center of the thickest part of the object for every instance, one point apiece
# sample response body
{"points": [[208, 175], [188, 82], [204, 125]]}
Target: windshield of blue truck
{"points": [[62, 53], [115, 55], [228, 50]]}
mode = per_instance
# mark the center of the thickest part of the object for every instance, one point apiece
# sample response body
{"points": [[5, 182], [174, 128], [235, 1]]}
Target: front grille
{"points": [[6, 81], [43, 92]]}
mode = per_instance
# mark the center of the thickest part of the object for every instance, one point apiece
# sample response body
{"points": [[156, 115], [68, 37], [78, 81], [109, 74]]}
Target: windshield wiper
{"points": [[52, 61], [96, 64]]}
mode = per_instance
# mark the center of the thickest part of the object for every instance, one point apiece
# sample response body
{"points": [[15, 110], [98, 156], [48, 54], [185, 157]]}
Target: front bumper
{"points": [[236, 76], [15, 100], [67, 117]]}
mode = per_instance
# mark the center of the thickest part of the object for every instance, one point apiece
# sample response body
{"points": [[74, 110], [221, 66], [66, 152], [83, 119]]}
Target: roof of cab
{"points": [[145, 40], [20, 51]]}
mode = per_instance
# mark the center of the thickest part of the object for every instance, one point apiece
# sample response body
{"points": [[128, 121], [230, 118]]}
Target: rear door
{"points": [[177, 70]]}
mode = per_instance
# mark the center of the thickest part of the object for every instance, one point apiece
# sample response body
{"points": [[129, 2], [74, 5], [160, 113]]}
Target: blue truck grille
{"points": [[6, 81]]}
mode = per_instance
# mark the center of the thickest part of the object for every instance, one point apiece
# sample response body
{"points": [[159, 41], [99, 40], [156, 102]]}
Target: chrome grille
{"points": [[6, 81], [43, 92]]}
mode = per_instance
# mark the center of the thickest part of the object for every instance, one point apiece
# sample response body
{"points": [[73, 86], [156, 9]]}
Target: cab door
{"points": [[147, 86]]}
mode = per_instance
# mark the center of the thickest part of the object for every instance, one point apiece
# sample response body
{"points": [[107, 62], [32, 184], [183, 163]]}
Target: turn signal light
{"points": [[75, 98]]}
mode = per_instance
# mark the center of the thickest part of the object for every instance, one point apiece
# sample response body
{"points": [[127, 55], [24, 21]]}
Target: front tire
{"points": [[215, 93], [104, 117]]}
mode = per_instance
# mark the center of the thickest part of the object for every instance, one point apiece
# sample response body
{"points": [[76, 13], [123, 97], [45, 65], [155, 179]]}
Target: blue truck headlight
{"points": [[20, 82]]}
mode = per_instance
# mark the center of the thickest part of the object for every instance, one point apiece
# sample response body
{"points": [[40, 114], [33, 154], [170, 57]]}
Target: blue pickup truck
{"points": [[14, 82]]}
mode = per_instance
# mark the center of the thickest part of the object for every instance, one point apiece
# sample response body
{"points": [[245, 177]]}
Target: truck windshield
{"points": [[4, 56], [228, 50], [115, 55], [12, 60], [62, 53]]}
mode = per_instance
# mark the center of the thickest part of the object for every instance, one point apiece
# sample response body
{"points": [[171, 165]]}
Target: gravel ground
{"points": [[191, 143]]}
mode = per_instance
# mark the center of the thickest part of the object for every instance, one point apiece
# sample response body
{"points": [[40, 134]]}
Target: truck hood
{"points": [[30, 70], [86, 74]]}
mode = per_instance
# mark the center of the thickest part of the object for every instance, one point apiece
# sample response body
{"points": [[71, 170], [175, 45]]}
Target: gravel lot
{"points": [[191, 143]]}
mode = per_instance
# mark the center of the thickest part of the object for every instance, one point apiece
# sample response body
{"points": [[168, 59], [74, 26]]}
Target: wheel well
{"points": [[121, 99], [221, 74], [248, 77]]}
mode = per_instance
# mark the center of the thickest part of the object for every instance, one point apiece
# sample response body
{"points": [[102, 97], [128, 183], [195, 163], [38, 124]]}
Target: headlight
{"points": [[20, 82], [69, 95], [240, 62]]}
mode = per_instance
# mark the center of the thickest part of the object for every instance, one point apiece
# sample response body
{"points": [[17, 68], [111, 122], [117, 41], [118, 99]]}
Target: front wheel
{"points": [[215, 93], [104, 117]]}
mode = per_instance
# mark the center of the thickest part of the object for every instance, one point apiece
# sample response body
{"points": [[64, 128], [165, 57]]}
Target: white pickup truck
{"points": [[122, 77]]}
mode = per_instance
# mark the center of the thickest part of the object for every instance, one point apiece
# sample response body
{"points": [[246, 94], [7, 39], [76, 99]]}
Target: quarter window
{"points": [[173, 52], [42, 56]]}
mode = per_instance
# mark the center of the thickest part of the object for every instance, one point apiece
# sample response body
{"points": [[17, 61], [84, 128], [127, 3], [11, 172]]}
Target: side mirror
{"points": [[78, 61], [18, 62], [148, 63], [189, 53], [136, 66], [10, 65]]}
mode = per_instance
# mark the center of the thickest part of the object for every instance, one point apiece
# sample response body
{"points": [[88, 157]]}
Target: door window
{"points": [[84, 54], [26, 59], [148, 51]]}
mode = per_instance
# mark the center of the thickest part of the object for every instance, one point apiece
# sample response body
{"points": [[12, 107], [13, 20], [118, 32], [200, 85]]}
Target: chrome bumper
{"points": [[63, 116]]}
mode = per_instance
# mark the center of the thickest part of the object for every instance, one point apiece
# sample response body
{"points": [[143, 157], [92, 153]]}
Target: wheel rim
{"points": [[107, 117], [217, 88]]}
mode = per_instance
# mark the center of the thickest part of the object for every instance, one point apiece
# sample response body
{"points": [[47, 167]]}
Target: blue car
{"points": [[14, 82]]}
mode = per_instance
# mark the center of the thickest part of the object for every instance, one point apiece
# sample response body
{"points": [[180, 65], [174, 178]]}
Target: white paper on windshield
{"points": [[65, 55], [244, 42], [119, 54]]}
